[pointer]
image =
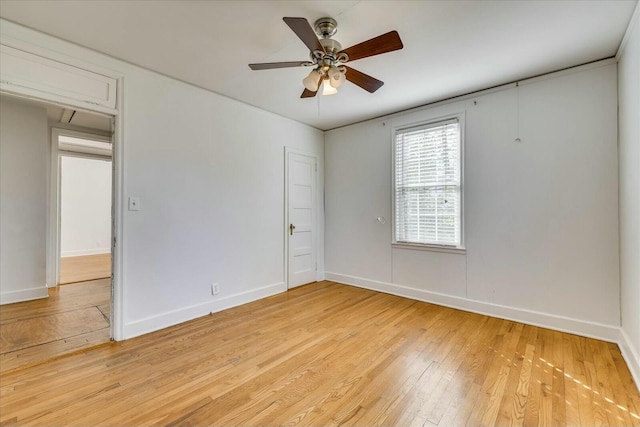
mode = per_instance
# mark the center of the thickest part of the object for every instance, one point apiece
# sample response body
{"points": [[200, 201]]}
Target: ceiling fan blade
{"points": [[308, 94], [271, 65], [303, 30], [363, 80], [382, 44]]}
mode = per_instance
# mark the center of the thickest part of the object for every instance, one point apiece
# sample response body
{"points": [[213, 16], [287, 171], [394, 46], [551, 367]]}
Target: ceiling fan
{"points": [[328, 57]]}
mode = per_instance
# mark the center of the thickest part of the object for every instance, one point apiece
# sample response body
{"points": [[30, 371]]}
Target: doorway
{"points": [[75, 316], [84, 198], [302, 212]]}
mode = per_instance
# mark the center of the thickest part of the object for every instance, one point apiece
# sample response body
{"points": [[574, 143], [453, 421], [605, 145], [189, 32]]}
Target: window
{"points": [[428, 184]]}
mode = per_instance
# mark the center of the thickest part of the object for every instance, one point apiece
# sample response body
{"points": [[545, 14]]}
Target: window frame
{"points": [[461, 248]]}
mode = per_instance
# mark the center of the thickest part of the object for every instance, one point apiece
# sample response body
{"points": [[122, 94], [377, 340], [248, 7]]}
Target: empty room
{"points": [[412, 213]]}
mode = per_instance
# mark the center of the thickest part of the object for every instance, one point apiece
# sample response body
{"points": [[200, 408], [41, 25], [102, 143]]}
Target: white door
{"points": [[301, 216]]}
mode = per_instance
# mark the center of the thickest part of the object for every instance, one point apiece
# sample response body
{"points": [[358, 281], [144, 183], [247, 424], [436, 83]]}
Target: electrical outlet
{"points": [[215, 288]]}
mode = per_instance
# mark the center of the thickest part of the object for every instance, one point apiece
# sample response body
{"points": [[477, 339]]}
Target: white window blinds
{"points": [[428, 184]]}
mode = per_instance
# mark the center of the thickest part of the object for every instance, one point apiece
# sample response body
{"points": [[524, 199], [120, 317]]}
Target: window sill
{"points": [[431, 248]]}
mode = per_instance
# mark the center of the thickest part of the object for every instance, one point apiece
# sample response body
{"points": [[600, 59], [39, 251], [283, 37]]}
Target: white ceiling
{"points": [[450, 47]]}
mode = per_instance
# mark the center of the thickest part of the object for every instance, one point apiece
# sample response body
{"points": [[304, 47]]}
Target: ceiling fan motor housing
{"points": [[326, 27], [331, 46]]}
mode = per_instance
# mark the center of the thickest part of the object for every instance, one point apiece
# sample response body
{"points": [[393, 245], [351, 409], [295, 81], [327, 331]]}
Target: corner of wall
{"points": [[630, 356], [628, 57], [628, 31]]}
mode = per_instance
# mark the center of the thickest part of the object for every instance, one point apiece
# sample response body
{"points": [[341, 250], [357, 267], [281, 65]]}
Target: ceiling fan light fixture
{"points": [[312, 81], [327, 88], [328, 57], [336, 77]]}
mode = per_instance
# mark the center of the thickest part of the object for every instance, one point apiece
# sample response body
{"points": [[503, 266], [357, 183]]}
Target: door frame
{"points": [[117, 284], [55, 195], [287, 151]]}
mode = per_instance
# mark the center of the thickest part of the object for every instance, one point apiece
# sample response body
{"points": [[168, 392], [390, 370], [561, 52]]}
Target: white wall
{"points": [[541, 217], [85, 206], [23, 201], [209, 172], [629, 128]]}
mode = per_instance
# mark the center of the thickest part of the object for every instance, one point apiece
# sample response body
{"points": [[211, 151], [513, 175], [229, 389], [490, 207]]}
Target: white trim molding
{"points": [[117, 218], [545, 320], [174, 317], [24, 295]]}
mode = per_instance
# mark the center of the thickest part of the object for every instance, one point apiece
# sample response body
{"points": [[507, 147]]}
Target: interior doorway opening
{"points": [[66, 143], [84, 200], [85, 219]]}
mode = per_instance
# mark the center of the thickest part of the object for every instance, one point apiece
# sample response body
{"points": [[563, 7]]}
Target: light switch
{"points": [[134, 203]]}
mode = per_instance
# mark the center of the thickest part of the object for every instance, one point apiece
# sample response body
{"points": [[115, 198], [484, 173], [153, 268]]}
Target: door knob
{"points": [[291, 228]]}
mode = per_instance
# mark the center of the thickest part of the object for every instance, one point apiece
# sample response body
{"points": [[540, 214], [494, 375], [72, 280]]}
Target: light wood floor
{"points": [[83, 268], [74, 317], [329, 354]]}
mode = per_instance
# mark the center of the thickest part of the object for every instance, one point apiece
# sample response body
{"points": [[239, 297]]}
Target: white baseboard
{"points": [[545, 320], [174, 317], [630, 356], [24, 295], [83, 252]]}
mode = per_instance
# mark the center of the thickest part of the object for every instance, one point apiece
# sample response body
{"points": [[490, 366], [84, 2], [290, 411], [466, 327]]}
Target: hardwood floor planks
{"points": [[26, 333], [44, 352], [83, 268], [330, 354], [571, 386], [74, 317], [511, 408], [558, 388], [61, 299]]}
